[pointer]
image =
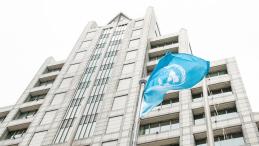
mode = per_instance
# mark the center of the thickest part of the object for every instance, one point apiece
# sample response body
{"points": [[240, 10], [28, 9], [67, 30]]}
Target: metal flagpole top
{"points": [[142, 81]]}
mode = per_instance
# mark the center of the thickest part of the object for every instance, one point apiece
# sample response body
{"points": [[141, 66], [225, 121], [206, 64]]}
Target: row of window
{"points": [[217, 114], [222, 137], [91, 125], [114, 43], [228, 139], [87, 126], [102, 36], [225, 139], [101, 45], [161, 126], [95, 100], [63, 132], [197, 96], [89, 70], [35, 97], [95, 57], [14, 134], [83, 84], [167, 103], [101, 81], [48, 116], [106, 66], [26, 115], [111, 53]]}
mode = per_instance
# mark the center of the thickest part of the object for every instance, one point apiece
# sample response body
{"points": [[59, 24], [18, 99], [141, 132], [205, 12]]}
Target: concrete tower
{"points": [[91, 98]]}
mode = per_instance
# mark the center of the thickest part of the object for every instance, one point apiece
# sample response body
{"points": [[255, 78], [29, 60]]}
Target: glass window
{"points": [[197, 94], [131, 55], [58, 98], [65, 83], [37, 138], [134, 43], [15, 134], [223, 114], [160, 126], [154, 128], [220, 91], [79, 56], [48, 117], [235, 139], [119, 102], [128, 68], [165, 126], [147, 129], [27, 114], [36, 97], [136, 33], [199, 118], [201, 142], [218, 70], [72, 68], [138, 23], [114, 124], [124, 84], [110, 143]]}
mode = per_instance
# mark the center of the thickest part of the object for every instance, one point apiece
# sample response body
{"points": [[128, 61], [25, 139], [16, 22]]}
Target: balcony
{"points": [[55, 67], [171, 99], [218, 90], [165, 142], [217, 71], [159, 124], [223, 111], [161, 50], [231, 136], [26, 114]]}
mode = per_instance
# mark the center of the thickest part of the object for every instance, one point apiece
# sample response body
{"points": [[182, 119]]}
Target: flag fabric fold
{"points": [[173, 72]]}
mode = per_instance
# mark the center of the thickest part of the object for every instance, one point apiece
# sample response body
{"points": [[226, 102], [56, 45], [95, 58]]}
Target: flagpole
{"points": [[142, 82], [210, 137]]}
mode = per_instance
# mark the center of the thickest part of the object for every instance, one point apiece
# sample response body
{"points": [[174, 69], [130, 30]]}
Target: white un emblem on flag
{"points": [[172, 75]]}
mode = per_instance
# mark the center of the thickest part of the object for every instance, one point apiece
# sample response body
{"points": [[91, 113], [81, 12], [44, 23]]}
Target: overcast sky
{"points": [[31, 31]]}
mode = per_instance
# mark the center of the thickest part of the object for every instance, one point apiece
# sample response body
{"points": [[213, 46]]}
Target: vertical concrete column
{"points": [[184, 46], [249, 128], [185, 118], [148, 32]]}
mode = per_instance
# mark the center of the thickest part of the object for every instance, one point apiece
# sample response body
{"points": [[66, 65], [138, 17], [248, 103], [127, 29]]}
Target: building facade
{"points": [[91, 98]]}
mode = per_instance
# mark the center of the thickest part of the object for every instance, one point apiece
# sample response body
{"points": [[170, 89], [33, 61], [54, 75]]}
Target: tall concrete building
{"points": [[91, 98]]}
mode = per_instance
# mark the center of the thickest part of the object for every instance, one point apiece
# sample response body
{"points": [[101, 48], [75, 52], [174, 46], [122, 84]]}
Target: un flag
{"points": [[173, 72]]}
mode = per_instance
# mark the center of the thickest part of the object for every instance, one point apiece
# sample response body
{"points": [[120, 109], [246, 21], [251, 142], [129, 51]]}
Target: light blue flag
{"points": [[173, 72]]}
